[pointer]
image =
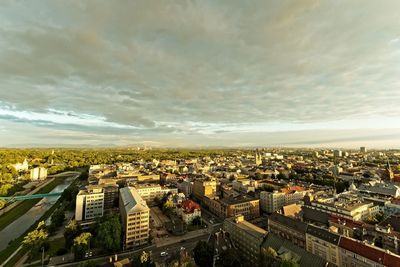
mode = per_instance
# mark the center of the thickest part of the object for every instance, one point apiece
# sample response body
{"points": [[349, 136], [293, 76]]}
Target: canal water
{"points": [[19, 226]]}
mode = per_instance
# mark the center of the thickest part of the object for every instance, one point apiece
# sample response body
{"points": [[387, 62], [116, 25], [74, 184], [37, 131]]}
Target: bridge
{"points": [[28, 197]]}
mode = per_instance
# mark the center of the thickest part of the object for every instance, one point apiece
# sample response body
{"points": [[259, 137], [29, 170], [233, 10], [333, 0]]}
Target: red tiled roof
{"points": [[391, 260], [362, 249], [189, 206], [370, 252]]}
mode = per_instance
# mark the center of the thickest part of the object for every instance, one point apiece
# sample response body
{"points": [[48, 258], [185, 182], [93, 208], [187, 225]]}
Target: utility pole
{"points": [[42, 256]]}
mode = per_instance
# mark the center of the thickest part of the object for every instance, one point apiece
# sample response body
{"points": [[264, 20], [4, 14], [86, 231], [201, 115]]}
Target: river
{"points": [[20, 225]]}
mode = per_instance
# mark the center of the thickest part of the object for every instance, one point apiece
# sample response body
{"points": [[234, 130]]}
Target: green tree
{"points": [[203, 254], [108, 234], [143, 260], [58, 217], [36, 238], [81, 244], [288, 263], [229, 258], [72, 230]]}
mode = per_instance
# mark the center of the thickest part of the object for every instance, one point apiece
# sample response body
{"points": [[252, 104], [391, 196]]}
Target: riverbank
{"points": [[26, 205], [16, 243]]}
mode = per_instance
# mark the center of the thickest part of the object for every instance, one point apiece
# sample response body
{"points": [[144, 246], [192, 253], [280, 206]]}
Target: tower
{"points": [[389, 175], [258, 158]]}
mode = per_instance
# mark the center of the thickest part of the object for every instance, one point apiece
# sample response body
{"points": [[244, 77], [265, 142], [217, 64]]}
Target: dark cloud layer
{"points": [[185, 72]]}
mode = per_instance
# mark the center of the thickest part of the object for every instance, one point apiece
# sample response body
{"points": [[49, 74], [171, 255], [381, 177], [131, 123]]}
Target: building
{"points": [[274, 201], [356, 253], [21, 167], [247, 237], [363, 149], [323, 243], [244, 185], [189, 210], [135, 218], [355, 210], [204, 188], [38, 173], [286, 250], [337, 153], [288, 228], [89, 203], [111, 193], [185, 187], [150, 192], [230, 207]]}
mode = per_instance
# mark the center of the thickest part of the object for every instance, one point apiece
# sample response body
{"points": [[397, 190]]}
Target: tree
{"points": [[2, 203], [36, 238], [108, 234], [197, 221], [267, 256], [58, 217], [203, 254], [81, 244], [289, 263], [88, 263], [229, 258], [143, 260], [72, 230]]}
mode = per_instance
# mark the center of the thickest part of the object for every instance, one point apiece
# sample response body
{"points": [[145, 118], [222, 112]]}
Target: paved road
{"points": [[189, 244]]}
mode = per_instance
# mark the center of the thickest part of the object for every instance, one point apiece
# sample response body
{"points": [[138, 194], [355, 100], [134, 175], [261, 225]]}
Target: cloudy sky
{"points": [[200, 73]]}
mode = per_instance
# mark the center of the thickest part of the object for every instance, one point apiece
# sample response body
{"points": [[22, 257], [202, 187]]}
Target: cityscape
{"points": [[200, 133]]}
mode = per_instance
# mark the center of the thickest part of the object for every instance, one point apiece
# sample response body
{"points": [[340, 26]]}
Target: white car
{"points": [[182, 248], [164, 254]]}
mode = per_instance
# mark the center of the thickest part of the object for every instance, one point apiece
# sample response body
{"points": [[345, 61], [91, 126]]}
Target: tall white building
{"points": [[89, 203], [38, 173], [135, 217]]}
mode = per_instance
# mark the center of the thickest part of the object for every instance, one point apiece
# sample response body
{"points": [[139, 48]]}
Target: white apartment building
{"points": [[274, 201], [150, 192], [135, 217], [89, 203], [38, 173]]}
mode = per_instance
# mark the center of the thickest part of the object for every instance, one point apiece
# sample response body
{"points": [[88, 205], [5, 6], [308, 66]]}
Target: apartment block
{"points": [[89, 203], [247, 237], [135, 218]]}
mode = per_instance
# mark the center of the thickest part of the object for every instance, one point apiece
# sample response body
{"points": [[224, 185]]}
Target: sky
{"points": [[299, 73]]}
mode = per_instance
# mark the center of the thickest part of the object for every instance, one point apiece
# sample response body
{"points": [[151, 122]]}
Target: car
{"points": [[164, 254], [182, 248], [182, 241]]}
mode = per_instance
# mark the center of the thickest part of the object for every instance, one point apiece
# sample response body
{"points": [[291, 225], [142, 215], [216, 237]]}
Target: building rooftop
{"points": [[370, 252], [248, 227], [284, 247], [132, 201], [289, 222], [323, 234]]}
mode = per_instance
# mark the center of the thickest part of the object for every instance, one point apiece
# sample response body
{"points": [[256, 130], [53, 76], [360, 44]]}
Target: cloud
{"points": [[177, 71]]}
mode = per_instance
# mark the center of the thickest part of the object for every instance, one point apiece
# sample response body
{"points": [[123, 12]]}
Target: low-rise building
{"points": [[189, 210], [288, 228], [274, 201]]}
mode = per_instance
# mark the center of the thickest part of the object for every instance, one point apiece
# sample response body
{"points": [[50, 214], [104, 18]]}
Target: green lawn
{"points": [[26, 205]]}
